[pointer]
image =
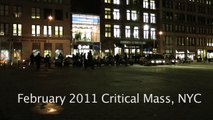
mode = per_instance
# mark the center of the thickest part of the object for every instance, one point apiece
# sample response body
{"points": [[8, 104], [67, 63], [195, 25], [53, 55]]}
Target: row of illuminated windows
{"points": [[130, 15], [146, 3], [130, 32], [187, 29], [188, 41], [187, 18], [208, 2], [35, 12], [47, 31], [35, 30]]}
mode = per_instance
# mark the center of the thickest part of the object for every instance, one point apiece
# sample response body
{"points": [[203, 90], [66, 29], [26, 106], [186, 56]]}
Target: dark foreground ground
{"points": [[157, 80]]}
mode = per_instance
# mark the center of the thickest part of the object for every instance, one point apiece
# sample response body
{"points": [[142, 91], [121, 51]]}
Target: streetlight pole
{"points": [[50, 18], [160, 39]]}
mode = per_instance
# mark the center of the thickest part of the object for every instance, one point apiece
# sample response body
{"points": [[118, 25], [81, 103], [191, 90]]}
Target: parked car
{"points": [[152, 59], [172, 60]]}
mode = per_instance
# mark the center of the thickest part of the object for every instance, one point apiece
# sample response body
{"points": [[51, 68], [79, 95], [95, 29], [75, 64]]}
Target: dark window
{"points": [[4, 29], [47, 13], [4, 10], [59, 15]]}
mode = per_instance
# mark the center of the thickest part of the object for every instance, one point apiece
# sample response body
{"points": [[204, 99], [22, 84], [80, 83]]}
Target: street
{"points": [[87, 87]]}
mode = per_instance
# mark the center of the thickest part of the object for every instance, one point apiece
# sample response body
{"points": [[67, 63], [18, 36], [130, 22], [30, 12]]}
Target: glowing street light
{"points": [[160, 33], [50, 18]]}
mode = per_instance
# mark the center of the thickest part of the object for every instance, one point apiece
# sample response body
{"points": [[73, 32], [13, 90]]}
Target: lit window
{"points": [[146, 32], [36, 30], [127, 2], [58, 31], [127, 32], [152, 18], [152, 4], [145, 4], [107, 13], [117, 2], [153, 33], [107, 1], [145, 17], [136, 32], [134, 15], [117, 31], [107, 30], [47, 30], [128, 15], [17, 30], [116, 14]]}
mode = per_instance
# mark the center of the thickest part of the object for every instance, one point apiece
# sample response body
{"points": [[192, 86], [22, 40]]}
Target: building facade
{"points": [[86, 33], [186, 28], [34, 26], [128, 26]]}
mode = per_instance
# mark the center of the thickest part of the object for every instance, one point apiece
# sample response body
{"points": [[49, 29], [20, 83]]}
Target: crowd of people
{"points": [[79, 60], [38, 60]]}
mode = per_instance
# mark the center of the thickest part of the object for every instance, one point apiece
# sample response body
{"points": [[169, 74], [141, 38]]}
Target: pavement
{"points": [[166, 80]]}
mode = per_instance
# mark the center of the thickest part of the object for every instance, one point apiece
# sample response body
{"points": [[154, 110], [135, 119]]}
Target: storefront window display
{"points": [[85, 33], [5, 56], [47, 52], [16, 55], [86, 28], [117, 51], [210, 54], [180, 55], [201, 54]]}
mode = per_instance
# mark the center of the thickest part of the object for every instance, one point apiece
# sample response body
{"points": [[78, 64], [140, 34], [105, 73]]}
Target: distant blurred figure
{"points": [[32, 58], [38, 61]]}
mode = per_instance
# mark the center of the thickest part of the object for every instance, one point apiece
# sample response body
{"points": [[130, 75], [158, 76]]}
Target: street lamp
{"points": [[160, 33], [50, 18]]}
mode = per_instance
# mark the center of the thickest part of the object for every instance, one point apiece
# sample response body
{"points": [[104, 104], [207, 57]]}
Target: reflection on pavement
{"points": [[47, 109]]}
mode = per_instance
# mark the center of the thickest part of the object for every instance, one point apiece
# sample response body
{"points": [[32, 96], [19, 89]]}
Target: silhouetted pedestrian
{"points": [[38, 61], [32, 58], [60, 59], [47, 60], [90, 59]]}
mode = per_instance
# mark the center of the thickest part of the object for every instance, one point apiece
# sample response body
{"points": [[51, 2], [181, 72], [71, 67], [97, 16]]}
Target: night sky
{"points": [[86, 6]]}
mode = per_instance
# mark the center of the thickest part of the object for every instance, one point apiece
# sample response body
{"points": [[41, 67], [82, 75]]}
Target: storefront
{"points": [[47, 49], [4, 52], [132, 50], [201, 54], [210, 54], [82, 49], [17, 52], [85, 33], [185, 55]]}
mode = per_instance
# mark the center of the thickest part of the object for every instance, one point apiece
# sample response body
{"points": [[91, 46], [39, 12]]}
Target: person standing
{"points": [[32, 58], [61, 58], [38, 61]]}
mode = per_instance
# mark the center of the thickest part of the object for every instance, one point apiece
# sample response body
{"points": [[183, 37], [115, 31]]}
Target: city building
{"points": [[129, 26], [34, 26], [85, 33], [186, 28]]}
